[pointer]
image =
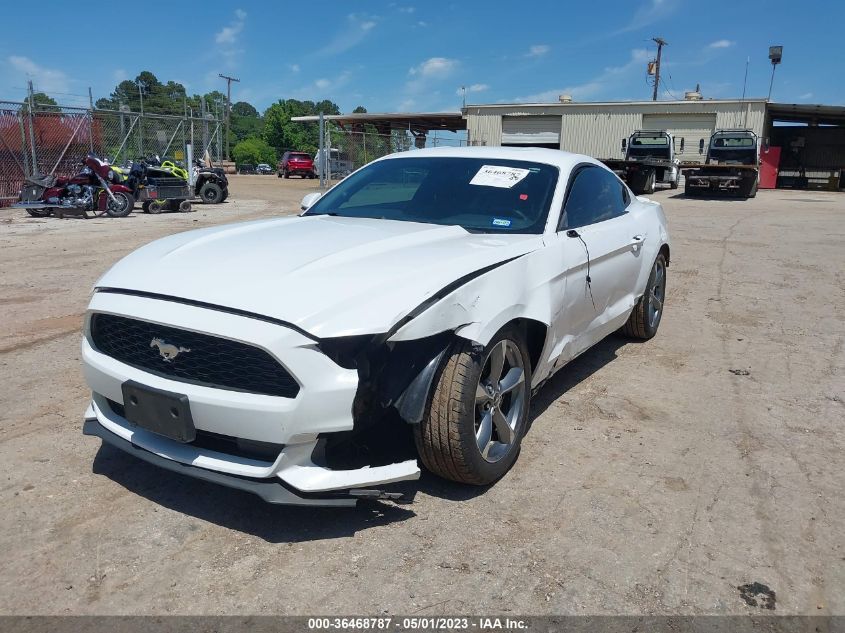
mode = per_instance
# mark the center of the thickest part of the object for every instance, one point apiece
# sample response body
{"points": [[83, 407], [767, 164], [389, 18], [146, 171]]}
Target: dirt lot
{"points": [[656, 478]]}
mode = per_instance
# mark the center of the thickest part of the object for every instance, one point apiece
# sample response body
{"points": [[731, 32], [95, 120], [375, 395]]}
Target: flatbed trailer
{"points": [[643, 174], [730, 167], [740, 180]]}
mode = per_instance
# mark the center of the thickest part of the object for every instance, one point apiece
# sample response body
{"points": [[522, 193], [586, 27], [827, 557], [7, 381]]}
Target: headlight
{"points": [[111, 174]]}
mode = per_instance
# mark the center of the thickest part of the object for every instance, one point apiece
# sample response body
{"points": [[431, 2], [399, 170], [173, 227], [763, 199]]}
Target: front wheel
{"points": [[648, 311], [479, 410], [39, 213], [211, 193], [121, 206]]}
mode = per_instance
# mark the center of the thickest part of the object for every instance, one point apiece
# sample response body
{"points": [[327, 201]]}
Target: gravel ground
{"points": [[657, 477]]}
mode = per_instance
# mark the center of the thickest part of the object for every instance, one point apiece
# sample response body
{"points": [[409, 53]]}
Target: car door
{"points": [[599, 248]]}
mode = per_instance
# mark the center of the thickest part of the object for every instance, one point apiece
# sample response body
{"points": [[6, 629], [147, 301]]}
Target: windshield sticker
{"points": [[501, 222], [499, 176]]}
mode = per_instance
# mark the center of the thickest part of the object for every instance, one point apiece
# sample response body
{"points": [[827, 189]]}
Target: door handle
{"points": [[637, 240]]}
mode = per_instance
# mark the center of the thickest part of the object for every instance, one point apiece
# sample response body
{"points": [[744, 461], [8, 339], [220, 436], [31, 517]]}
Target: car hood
{"points": [[329, 276]]}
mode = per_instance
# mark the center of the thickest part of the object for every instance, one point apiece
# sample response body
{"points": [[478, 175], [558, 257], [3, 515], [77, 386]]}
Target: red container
{"points": [[769, 162]]}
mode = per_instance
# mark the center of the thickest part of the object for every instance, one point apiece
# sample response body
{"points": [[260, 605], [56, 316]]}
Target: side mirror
{"points": [[309, 200], [682, 145], [624, 145], [701, 146]]}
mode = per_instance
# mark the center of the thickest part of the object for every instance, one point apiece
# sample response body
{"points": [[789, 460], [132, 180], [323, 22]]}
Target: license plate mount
{"points": [[162, 412]]}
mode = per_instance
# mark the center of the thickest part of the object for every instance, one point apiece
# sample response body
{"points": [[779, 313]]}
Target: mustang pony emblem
{"points": [[167, 351]]}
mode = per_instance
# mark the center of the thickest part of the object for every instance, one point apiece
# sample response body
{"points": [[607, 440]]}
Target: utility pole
{"points": [[660, 44], [229, 81], [31, 132], [775, 56]]}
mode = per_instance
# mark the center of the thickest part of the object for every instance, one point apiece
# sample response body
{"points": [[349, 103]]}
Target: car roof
{"points": [[566, 161]]}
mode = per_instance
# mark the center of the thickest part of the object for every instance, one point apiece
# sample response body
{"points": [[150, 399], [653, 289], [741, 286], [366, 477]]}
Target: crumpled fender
{"points": [[476, 310]]}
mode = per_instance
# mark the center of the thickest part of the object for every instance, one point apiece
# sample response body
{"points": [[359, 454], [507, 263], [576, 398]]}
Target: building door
{"points": [[533, 131], [691, 128]]}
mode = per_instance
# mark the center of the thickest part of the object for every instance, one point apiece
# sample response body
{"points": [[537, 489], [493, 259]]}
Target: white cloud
{"points": [[45, 79], [294, 68], [434, 67], [229, 34], [422, 24], [538, 50], [653, 11], [806, 96], [473, 88], [720, 44], [595, 87], [407, 9], [350, 35], [324, 87], [119, 74]]}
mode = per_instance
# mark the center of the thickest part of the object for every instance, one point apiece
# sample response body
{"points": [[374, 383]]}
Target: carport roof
{"points": [[807, 113], [384, 122]]}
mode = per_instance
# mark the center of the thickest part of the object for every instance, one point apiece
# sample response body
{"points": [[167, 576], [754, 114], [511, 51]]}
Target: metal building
{"points": [[597, 129]]}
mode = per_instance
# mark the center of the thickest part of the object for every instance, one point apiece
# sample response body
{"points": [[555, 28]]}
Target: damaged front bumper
{"points": [[275, 483], [290, 431]]}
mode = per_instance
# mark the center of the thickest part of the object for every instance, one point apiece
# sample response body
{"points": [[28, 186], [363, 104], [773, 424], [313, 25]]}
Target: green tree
{"points": [[41, 103], [246, 122], [284, 134], [253, 151]]}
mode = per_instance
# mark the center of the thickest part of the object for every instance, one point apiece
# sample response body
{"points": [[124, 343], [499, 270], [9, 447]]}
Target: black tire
{"points": [[145, 206], [753, 193], [225, 194], [125, 203], [650, 181], [690, 192], [155, 207], [287, 174], [39, 213], [211, 193], [640, 323], [279, 174], [674, 184], [446, 437], [185, 206]]}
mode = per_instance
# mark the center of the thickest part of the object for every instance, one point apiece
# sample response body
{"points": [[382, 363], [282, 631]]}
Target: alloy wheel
{"points": [[499, 401], [656, 294]]}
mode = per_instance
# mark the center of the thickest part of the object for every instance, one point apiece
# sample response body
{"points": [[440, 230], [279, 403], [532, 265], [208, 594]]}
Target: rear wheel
{"points": [[121, 206], [155, 207], [211, 193], [478, 413], [650, 181], [39, 213], [648, 311], [185, 206]]}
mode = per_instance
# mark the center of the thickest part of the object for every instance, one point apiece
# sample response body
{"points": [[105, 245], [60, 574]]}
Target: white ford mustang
{"points": [[426, 296]]}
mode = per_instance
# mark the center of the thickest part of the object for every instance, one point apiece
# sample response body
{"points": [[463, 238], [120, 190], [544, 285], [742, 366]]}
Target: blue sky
{"points": [[414, 55]]}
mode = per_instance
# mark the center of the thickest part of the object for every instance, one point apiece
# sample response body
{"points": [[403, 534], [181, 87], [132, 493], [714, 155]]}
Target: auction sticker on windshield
{"points": [[499, 176]]}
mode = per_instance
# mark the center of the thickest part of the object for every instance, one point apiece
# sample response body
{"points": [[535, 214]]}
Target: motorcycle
{"points": [[97, 188]]}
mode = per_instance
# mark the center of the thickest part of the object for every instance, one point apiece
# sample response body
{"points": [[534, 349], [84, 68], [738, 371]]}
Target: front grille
{"points": [[199, 359]]}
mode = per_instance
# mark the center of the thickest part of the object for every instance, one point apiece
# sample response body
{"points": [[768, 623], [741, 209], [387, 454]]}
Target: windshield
{"points": [[656, 146], [732, 142], [299, 157], [480, 194]]}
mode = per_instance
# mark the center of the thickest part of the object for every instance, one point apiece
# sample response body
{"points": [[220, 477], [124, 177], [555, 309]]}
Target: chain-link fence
{"points": [[55, 140], [349, 150]]}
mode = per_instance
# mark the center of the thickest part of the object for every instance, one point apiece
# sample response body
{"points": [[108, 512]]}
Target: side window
{"points": [[595, 195]]}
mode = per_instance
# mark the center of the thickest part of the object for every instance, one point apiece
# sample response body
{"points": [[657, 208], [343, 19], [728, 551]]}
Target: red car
{"points": [[297, 164]]}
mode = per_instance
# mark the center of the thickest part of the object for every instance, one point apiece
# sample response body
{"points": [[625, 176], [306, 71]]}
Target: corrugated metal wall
{"points": [[599, 133], [597, 129], [484, 129]]}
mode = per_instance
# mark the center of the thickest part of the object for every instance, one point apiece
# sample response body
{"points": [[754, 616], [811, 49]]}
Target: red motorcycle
{"points": [[95, 189]]}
